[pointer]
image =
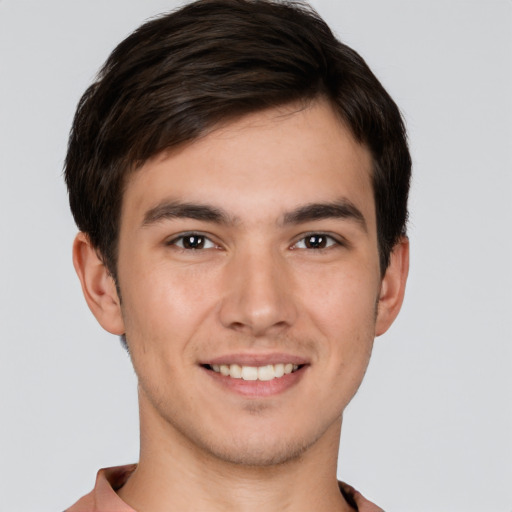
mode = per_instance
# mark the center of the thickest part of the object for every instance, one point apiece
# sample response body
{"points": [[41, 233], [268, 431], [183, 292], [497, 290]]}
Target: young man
{"points": [[239, 178]]}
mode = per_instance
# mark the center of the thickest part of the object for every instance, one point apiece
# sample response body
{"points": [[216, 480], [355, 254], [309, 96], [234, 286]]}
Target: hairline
{"points": [[303, 103]]}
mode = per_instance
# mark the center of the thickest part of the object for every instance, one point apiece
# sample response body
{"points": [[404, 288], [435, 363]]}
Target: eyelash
{"points": [[331, 241], [181, 238], [205, 240]]}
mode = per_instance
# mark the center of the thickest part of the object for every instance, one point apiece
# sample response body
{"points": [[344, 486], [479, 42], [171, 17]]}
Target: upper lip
{"points": [[245, 359]]}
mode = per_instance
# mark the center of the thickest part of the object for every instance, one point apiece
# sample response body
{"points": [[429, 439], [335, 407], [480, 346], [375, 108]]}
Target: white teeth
{"points": [[235, 371], [266, 372], [249, 373], [279, 370], [263, 373]]}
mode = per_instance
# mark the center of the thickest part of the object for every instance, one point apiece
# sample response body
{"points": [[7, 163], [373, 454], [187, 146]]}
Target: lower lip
{"points": [[258, 388]]}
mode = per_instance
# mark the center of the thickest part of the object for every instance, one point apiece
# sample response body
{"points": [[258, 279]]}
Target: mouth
{"points": [[256, 375], [263, 373]]}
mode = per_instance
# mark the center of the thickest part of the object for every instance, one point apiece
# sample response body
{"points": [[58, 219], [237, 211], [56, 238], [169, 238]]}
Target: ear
{"points": [[98, 285], [393, 287]]}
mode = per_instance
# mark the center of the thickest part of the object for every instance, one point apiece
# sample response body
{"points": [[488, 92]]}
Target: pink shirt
{"points": [[103, 497]]}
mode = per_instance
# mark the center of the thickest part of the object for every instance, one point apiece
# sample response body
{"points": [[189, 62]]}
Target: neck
{"points": [[174, 474]]}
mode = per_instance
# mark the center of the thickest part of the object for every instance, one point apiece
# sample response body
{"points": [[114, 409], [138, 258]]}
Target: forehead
{"points": [[269, 161]]}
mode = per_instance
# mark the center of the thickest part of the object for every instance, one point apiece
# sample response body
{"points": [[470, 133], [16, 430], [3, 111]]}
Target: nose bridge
{"points": [[258, 295]]}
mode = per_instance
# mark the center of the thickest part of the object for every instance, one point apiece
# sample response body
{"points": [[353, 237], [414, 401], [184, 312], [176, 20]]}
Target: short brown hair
{"points": [[212, 61]]}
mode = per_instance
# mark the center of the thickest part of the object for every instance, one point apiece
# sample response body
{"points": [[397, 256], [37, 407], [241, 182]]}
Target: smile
{"points": [[262, 373]]}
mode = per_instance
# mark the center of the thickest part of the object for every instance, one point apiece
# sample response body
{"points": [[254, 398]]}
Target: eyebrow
{"points": [[177, 210], [341, 209], [167, 210]]}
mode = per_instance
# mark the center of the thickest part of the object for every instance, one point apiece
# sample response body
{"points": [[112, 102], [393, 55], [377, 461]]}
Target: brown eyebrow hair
{"points": [[341, 209], [177, 210]]}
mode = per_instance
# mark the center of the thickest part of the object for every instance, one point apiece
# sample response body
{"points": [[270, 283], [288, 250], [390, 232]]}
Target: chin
{"points": [[266, 446], [261, 452]]}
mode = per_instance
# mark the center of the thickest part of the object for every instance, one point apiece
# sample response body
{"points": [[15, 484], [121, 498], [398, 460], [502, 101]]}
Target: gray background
{"points": [[430, 429]]}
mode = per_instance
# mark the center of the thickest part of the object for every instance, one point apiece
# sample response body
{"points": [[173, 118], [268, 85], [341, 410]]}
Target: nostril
{"points": [[237, 326]]}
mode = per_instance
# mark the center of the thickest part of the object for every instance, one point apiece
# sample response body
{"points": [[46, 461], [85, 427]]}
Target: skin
{"points": [[259, 286]]}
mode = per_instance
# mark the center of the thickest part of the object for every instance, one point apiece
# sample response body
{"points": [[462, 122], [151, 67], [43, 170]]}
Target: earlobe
{"points": [[98, 285], [393, 287]]}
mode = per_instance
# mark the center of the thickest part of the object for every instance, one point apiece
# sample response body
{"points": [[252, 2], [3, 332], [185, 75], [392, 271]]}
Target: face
{"points": [[250, 282]]}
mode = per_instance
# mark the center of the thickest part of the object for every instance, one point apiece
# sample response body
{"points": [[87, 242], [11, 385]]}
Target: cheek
{"points": [[342, 307], [162, 309], [341, 298]]}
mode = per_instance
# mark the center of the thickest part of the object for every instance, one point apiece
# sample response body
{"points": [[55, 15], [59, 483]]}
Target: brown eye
{"points": [[193, 241], [316, 241]]}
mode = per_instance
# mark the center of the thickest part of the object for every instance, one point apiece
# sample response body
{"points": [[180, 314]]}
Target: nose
{"points": [[258, 299]]}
